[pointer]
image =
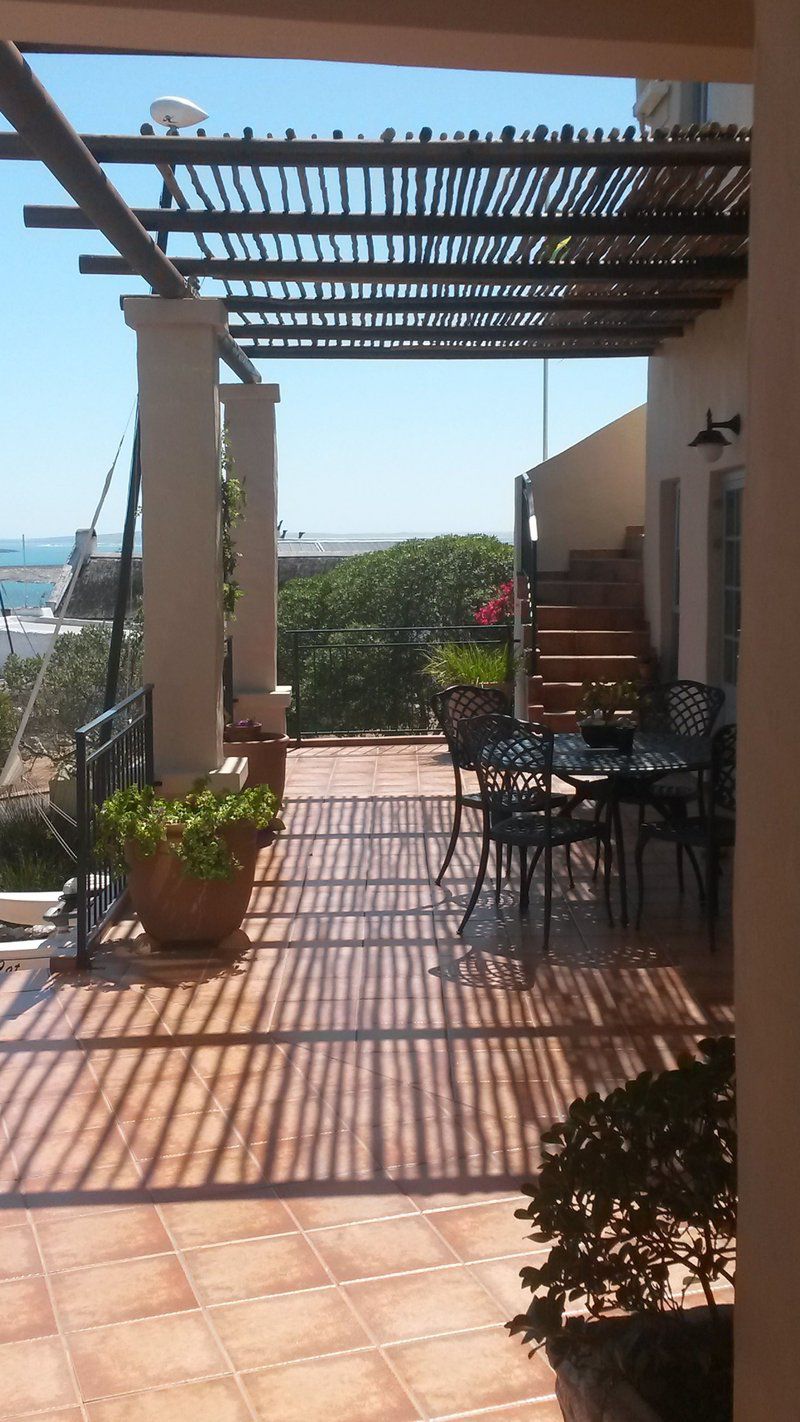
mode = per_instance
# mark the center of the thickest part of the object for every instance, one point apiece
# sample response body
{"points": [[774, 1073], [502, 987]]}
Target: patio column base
{"points": [[268, 707]]}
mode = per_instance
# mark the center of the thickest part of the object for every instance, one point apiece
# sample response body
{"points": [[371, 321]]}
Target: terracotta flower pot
{"points": [[175, 908], [266, 759]]}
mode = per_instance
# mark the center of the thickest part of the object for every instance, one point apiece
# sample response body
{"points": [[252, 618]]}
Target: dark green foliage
{"points": [[72, 692], [424, 582], [141, 816], [636, 1194], [9, 720], [30, 857], [233, 500]]}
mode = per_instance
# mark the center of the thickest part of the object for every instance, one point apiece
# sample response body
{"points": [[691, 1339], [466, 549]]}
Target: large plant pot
{"points": [[266, 759], [648, 1368], [174, 908]]}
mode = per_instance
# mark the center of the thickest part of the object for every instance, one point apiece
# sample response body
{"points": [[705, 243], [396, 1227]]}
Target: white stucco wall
{"points": [[586, 496], [706, 367]]}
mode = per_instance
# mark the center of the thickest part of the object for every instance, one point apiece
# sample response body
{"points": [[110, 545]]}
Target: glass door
{"points": [[732, 495]]}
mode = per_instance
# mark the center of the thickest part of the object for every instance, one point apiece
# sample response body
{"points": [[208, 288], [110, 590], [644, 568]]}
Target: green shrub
{"points": [[469, 664], [141, 817], [31, 858], [636, 1195]]}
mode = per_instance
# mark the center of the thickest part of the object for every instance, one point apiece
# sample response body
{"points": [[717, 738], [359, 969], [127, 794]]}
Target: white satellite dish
{"points": [[172, 112]]}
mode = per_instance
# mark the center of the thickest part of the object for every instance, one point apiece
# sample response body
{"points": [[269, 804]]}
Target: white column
{"points": [[249, 417], [767, 909], [182, 562]]}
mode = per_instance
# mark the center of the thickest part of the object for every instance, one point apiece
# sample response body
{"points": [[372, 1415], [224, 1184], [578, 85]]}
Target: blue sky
{"points": [[364, 447]]}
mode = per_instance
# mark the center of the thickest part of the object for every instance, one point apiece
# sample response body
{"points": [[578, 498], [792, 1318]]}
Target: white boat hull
{"points": [[28, 910]]}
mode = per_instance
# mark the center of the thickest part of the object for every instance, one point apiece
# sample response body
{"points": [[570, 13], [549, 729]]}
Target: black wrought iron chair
{"points": [[711, 830], [455, 705], [514, 764], [676, 708]]}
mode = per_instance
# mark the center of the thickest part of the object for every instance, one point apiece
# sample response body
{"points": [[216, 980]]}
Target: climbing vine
{"points": [[233, 500]]}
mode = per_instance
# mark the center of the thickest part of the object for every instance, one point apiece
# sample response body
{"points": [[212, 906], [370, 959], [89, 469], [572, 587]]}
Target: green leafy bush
{"points": [[232, 495], [73, 688], [469, 664], [423, 582], [31, 858], [141, 817], [636, 1195]]}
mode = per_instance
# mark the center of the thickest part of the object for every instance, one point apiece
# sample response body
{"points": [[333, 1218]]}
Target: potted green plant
{"points": [[599, 709], [472, 664], [190, 863], [636, 1195]]}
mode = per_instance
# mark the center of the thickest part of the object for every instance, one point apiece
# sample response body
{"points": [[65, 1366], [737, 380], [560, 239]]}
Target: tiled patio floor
{"points": [[280, 1184]]}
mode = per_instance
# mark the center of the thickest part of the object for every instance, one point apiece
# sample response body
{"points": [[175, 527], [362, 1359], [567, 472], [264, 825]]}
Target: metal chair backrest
{"points": [[514, 763], [458, 704], [723, 770], [681, 708]]}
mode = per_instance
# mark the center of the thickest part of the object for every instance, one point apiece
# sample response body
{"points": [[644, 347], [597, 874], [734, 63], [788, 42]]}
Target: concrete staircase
{"points": [[591, 627]]}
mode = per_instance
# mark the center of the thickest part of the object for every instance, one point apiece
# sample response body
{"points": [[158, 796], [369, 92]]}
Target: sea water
{"points": [[42, 553]]}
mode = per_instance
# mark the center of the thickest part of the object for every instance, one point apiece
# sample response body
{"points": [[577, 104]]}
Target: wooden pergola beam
{"points": [[338, 224], [477, 305], [485, 274], [699, 152], [443, 352], [50, 137], [492, 334]]}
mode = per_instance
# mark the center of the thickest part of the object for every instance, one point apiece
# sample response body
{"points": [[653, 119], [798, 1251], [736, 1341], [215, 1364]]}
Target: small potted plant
{"points": [[472, 664], [636, 1195], [265, 752], [599, 709], [190, 863]]}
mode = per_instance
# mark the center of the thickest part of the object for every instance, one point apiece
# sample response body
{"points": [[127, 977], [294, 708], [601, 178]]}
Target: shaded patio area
{"points": [[280, 1183]]}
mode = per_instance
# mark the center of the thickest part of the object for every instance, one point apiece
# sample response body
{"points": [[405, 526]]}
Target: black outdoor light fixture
{"points": [[711, 441]]}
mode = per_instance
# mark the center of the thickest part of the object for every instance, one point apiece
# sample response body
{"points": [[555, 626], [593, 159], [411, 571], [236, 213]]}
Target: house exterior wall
{"points": [[586, 496], [705, 368]]}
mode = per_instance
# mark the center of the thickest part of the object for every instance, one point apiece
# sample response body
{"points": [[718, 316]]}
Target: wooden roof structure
{"points": [[542, 245]]}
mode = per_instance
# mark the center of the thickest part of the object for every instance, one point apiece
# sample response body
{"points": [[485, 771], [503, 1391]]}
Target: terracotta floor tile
{"points": [[362, 1251], [36, 1376], [253, 1268], [358, 1387], [210, 1221], [218, 1400], [418, 1305], [122, 1291], [346, 1204], [484, 1231], [501, 1278], [25, 1310], [288, 1327], [467, 1371], [99, 1238], [153, 1352], [18, 1253]]}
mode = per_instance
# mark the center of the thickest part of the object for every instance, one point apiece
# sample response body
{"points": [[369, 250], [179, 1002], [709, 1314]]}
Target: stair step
{"points": [[591, 593], [605, 570], [569, 617], [595, 668], [556, 720], [561, 695], [590, 643], [634, 540]]}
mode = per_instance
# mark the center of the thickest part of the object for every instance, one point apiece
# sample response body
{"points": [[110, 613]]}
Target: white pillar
{"points": [[176, 343], [767, 909], [249, 417]]}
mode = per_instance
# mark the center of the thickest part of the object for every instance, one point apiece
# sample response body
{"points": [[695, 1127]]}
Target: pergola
{"points": [[531, 246], [537, 245]]}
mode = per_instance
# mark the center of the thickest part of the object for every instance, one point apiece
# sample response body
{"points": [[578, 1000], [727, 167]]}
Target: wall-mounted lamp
{"points": [[711, 441]]}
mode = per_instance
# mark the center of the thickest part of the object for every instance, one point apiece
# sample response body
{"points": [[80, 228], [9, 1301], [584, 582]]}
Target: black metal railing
{"points": [[112, 752], [369, 680]]}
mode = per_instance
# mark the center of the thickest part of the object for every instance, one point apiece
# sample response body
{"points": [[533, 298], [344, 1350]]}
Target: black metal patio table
{"points": [[654, 755]]}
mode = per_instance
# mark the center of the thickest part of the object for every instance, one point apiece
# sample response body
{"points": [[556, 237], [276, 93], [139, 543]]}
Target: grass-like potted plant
{"points": [[600, 707], [472, 664], [265, 752], [636, 1195], [190, 863]]}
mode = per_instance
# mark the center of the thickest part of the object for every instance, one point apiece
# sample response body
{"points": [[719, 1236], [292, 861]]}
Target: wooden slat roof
{"points": [[518, 246]]}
